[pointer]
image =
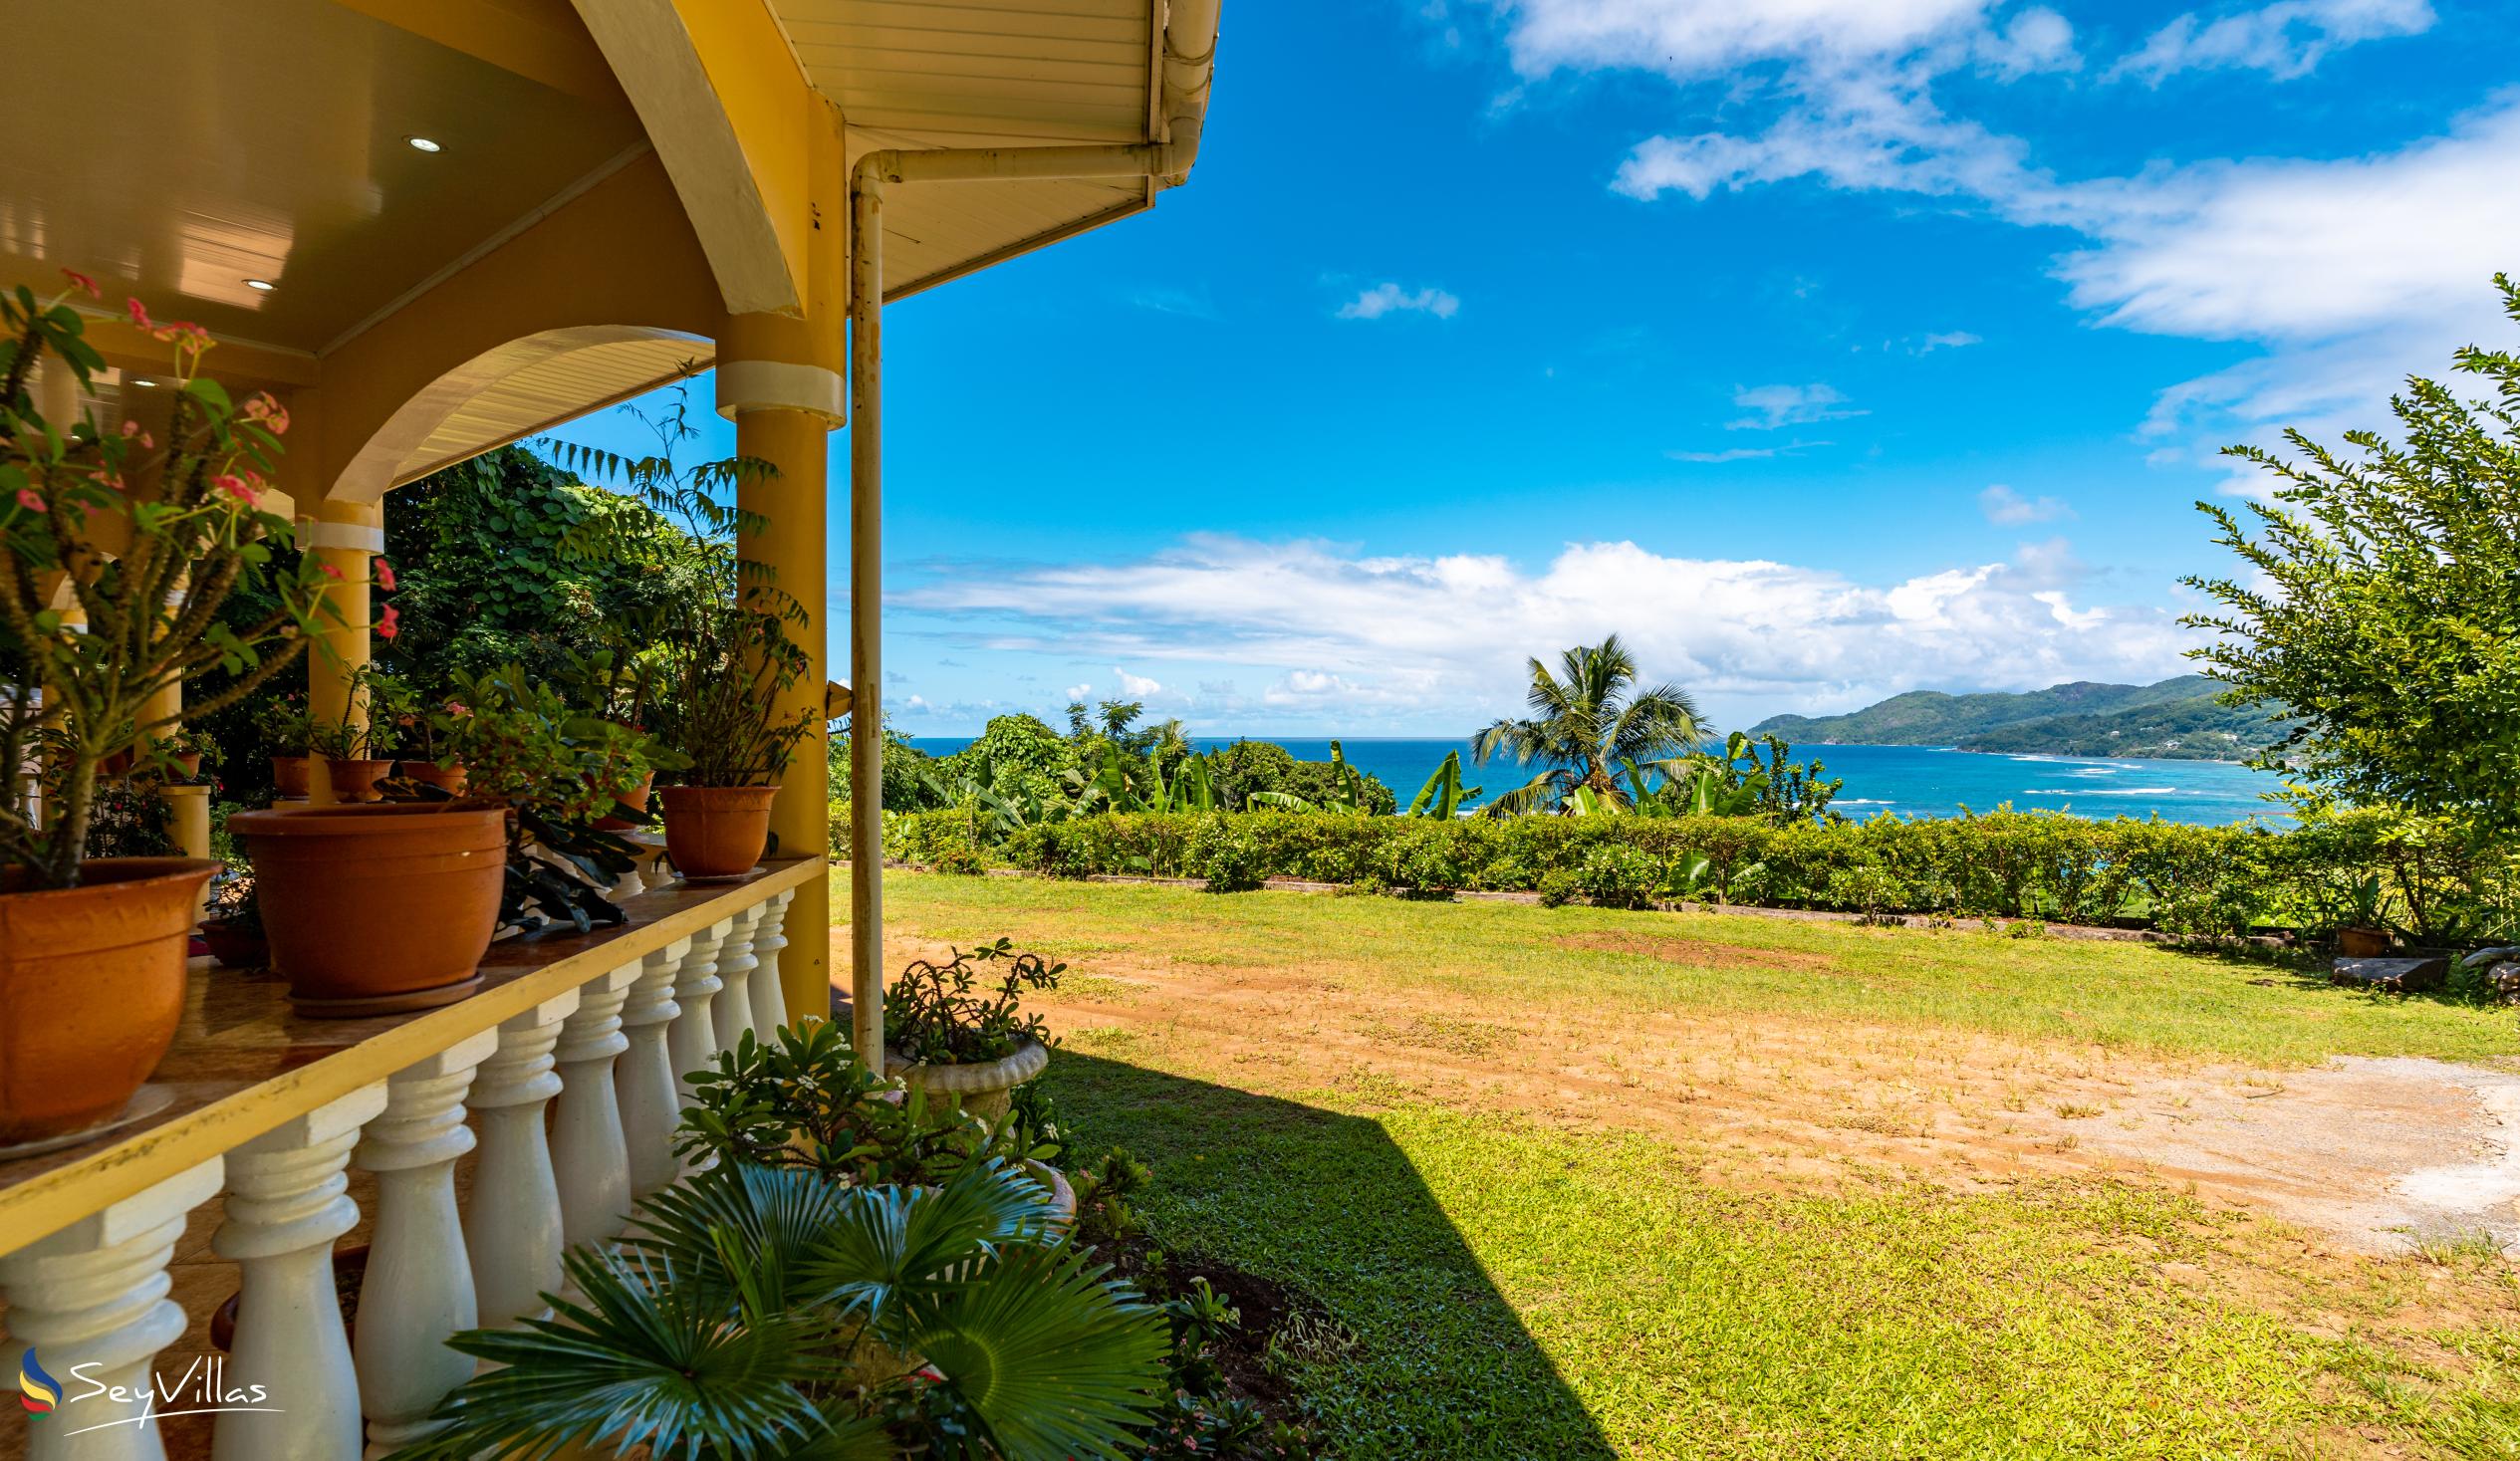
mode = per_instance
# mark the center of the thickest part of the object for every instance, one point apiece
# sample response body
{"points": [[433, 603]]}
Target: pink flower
{"points": [[28, 499], [388, 625], [329, 572], [458, 707], [385, 576], [140, 314], [184, 332], [82, 281], [131, 429], [234, 486]]}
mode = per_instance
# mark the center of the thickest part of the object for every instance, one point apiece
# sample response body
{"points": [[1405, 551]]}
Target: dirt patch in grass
{"points": [[1699, 953]]}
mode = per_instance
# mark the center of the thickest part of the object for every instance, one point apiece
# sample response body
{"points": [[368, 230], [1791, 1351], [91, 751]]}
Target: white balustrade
{"points": [[694, 1039], [514, 1226], [418, 1286], [589, 1152], [288, 1199], [769, 1001], [650, 1102], [91, 1301], [735, 965]]}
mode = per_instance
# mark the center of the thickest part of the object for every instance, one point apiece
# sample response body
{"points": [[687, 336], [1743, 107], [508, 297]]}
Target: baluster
{"points": [[95, 1294], [769, 1002], [694, 1035], [513, 1225], [735, 963], [419, 1288], [287, 1198], [630, 885], [650, 1105], [588, 1153]]}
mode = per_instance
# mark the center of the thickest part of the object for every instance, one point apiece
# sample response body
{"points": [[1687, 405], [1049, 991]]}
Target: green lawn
{"points": [[2133, 996], [1495, 1284]]}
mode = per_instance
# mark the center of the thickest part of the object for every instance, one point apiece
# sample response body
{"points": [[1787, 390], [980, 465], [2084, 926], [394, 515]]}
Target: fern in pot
{"points": [[724, 656], [144, 530]]}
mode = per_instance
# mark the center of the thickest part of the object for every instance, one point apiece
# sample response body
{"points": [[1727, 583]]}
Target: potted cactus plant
{"points": [[145, 528]]}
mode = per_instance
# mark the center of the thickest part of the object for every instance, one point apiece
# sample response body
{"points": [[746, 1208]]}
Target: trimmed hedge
{"points": [[2171, 875]]}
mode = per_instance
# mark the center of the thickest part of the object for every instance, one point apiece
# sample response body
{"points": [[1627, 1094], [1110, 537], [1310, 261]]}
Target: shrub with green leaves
{"points": [[1620, 878], [1225, 855]]}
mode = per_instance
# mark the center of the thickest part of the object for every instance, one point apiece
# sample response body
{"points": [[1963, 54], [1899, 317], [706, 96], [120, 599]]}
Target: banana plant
{"points": [[1443, 794]]}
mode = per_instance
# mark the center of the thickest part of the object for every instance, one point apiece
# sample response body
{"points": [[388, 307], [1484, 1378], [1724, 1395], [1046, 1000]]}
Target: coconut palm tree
{"points": [[1587, 720]]}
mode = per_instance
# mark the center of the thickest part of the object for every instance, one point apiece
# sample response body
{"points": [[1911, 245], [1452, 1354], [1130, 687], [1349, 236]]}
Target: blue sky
{"points": [[1824, 349]]}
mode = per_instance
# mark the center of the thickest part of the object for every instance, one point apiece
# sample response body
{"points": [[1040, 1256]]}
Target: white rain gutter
{"points": [[1187, 67]]}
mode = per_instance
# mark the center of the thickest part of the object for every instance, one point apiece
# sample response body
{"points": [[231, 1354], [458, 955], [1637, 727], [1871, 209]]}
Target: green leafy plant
{"points": [[933, 1015], [803, 1098], [195, 530], [763, 1312], [282, 720], [1228, 858], [1588, 719]]}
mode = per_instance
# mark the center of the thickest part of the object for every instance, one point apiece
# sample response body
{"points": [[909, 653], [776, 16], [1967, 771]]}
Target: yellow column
{"points": [[779, 379], [346, 537]]}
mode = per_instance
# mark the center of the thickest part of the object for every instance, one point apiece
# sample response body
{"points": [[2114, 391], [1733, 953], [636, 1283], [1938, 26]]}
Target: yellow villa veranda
{"points": [[429, 228]]}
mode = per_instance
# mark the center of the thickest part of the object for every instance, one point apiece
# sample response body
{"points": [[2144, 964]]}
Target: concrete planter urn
{"points": [[985, 1089]]}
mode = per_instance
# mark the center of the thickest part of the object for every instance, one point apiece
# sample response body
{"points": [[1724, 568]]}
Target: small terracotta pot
{"points": [[2362, 943], [716, 831], [448, 778], [380, 908], [290, 774], [91, 989], [355, 780], [117, 764], [190, 763], [235, 947], [637, 799]]}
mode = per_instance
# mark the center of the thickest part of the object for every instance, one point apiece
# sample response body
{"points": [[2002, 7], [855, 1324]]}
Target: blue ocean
{"points": [[1912, 781]]}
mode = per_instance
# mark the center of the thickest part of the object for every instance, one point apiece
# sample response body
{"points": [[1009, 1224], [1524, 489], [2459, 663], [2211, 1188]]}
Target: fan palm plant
{"points": [[1587, 719], [768, 1313]]}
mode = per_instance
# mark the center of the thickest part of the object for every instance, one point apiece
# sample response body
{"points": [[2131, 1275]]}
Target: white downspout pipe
{"points": [[1189, 52]]}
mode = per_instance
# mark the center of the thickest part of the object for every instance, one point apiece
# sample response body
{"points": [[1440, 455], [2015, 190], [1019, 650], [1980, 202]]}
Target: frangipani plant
{"points": [[144, 531]]}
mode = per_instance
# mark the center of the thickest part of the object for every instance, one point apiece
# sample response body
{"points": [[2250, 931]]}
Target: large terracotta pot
{"points": [[378, 908], [637, 798], [355, 780], [91, 989], [290, 776], [448, 778], [716, 831]]}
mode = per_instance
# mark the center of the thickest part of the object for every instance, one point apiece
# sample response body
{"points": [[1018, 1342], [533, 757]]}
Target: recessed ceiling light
{"points": [[264, 285], [143, 383], [425, 144]]}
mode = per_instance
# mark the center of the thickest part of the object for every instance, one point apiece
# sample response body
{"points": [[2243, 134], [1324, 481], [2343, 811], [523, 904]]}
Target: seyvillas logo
{"points": [[36, 1392], [202, 1390]]}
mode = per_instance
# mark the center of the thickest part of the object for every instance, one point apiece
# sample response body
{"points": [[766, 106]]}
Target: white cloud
{"points": [[1730, 454], [2007, 508], [2036, 39], [2347, 273], [1949, 340], [1432, 638], [1137, 687], [1788, 406], [2285, 40], [1076, 692], [1390, 298]]}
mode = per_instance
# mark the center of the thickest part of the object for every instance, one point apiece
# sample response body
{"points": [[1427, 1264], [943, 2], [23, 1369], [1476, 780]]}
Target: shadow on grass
{"points": [[1415, 1354]]}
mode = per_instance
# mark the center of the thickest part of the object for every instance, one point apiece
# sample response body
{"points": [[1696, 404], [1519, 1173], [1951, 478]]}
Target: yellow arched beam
{"points": [[717, 87], [617, 262]]}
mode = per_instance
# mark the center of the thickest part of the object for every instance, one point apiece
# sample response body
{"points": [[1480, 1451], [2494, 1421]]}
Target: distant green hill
{"points": [[2176, 720]]}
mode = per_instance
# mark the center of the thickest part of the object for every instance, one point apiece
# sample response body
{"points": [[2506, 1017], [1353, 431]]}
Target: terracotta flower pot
{"points": [[375, 909], [236, 947], [190, 764], [448, 778], [290, 776], [986, 1089], [117, 764], [2362, 943], [716, 831], [91, 989], [355, 780], [639, 799]]}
